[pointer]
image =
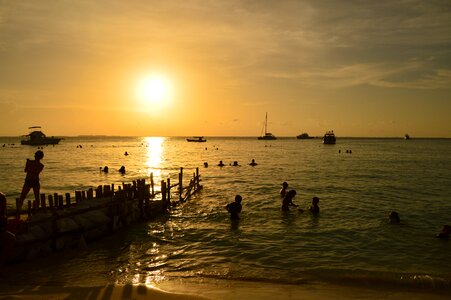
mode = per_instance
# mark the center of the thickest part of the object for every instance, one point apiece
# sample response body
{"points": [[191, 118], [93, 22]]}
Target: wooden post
{"points": [[77, 196], [60, 201], [83, 195], [168, 188], [90, 193], [163, 194], [197, 179], [43, 201], [152, 185], [50, 201], [17, 206], [181, 184], [67, 200]]}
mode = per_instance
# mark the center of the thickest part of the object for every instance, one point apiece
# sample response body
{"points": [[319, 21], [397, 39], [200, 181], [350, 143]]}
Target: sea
{"points": [[359, 182]]}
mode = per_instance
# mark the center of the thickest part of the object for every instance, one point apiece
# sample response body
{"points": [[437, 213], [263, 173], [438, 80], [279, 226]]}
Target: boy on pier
{"points": [[32, 168]]}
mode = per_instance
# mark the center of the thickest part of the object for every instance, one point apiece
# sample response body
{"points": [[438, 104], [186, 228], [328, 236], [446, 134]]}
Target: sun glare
{"points": [[154, 90]]}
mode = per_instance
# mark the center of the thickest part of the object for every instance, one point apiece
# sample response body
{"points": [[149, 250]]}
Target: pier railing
{"points": [[59, 221]]}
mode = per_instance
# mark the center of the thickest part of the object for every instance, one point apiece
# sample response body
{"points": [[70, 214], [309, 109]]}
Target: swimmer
{"points": [[314, 208], [446, 231], [394, 218], [288, 200], [122, 170], [205, 164], [234, 208], [105, 169], [235, 164], [283, 191], [221, 164], [253, 163], [126, 153]]}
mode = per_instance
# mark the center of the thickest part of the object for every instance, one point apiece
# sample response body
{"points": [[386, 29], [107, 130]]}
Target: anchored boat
{"points": [[38, 138], [329, 138], [268, 135], [197, 139]]}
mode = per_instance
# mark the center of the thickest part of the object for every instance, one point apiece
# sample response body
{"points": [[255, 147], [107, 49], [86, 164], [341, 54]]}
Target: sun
{"points": [[154, 90]]}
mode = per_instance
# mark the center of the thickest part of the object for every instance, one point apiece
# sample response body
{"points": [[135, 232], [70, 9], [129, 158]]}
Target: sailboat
{"points": [[268, 135]]}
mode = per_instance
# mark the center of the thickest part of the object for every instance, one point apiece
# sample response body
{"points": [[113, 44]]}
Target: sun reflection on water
{"points": [[154, 155]]}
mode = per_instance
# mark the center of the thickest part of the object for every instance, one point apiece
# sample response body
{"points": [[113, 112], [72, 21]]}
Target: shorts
{"points": [[32, 182]]}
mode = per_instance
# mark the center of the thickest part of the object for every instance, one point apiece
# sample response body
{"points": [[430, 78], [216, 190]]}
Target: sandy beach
{"points": [[215, 289]]}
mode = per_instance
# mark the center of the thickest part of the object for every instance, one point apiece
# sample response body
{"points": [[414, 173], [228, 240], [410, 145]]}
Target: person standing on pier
{"points": [[33, 168]]}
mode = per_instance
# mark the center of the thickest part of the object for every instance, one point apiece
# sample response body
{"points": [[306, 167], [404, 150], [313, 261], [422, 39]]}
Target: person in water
{"points": [[234, 208], [283, 191], [253, 163], [105, 169], [393, 218], [7, 239], [446, 231], [122, 170], [235, 164], [33, 168], [288, 200], [314, 208], [221, 164]]}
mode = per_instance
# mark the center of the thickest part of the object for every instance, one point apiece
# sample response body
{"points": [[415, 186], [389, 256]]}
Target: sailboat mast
{"points": [[266, 123]]}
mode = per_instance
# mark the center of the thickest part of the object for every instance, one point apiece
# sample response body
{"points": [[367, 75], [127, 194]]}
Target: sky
{"points": [[360, 68]]}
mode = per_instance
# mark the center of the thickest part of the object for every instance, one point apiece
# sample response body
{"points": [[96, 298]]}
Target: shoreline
{"points": [[198, 289]]}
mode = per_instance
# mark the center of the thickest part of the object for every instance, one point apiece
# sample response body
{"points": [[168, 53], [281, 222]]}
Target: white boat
{"points": [[329, 138], [38, 138], [268, 135]]}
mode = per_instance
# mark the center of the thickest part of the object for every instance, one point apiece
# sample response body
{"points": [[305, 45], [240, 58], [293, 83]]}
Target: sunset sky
{"points": [[214, 68]]}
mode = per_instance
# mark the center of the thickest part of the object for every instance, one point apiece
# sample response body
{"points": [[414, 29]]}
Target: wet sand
{"points": [[215, 289]]}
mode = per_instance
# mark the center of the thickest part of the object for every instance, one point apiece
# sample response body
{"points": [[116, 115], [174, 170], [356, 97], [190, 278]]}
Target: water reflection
{"points": [[154, 155]]}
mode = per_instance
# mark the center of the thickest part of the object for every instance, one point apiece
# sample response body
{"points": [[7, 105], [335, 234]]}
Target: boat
{"points": [[196, 139], [268, 135], [407, 137], [37, 138], [329, 138], [304, 136]]}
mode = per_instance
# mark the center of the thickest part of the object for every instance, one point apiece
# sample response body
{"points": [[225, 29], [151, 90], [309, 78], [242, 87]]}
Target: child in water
{"points": [[394, 218], [33, 168], [314, 208], [288, 200], [283, 191], [234, 208]]}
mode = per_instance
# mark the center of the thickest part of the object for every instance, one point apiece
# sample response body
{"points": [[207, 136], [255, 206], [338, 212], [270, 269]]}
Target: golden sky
{"points": [[360, 68]]}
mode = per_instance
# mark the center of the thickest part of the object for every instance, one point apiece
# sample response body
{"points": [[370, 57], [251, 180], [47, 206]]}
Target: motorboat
{"points": [[196, 139], [329, 138], [37, 138], [268, 135]]}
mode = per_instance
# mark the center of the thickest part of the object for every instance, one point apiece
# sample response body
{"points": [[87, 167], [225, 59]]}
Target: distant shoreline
{"points": [[243, 137]]}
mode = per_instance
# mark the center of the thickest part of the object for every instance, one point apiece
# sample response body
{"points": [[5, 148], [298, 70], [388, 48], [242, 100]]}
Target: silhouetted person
{"points": [[394, 218], [122, 170], [253, 163], [234, 208], [283, 191], [446, 231], [205, 164], [105, 169], [288, 200], [314, 208], [126, 153], [235, 164], [221, 164], [32, 168]]}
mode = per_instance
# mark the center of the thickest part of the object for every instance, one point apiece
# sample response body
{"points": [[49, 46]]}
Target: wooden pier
{"points": [[58, 222]]}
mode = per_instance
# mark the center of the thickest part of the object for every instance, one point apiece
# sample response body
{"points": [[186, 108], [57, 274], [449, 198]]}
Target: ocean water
{"points": [[350, 241]]}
